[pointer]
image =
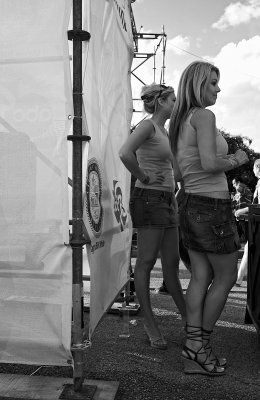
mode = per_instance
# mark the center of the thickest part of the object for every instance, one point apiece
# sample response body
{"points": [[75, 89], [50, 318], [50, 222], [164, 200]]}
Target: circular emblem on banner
{"points": [[93, 197]]}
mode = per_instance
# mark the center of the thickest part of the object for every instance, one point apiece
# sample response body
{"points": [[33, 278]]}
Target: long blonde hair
{"points": [[191, 93]]}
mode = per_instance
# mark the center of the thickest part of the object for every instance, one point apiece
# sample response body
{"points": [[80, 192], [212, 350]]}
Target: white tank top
{"points": [[196, 179], [155, 155]]}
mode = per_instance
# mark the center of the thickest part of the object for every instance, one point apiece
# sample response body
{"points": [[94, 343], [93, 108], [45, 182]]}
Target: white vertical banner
{"points": [[108, 108], [35, 258]]}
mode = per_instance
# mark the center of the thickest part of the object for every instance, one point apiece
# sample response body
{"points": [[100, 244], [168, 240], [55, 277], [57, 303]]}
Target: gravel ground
{"points": [[145, 373]]}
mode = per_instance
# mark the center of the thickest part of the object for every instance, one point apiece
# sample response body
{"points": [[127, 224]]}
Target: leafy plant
{"points": [[245, 172]]}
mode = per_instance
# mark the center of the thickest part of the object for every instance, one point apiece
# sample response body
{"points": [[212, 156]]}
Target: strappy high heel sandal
{"points": [[197, 362], [220, 362], [158, 342]]}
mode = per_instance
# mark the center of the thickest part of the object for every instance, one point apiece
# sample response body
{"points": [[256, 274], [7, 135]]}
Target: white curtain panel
{"points": [[107, 117], [35, 259]]}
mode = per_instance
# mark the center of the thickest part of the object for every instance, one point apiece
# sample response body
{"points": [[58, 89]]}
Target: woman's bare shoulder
{"points": [[203, 112], [145, 128], [202, 116]]}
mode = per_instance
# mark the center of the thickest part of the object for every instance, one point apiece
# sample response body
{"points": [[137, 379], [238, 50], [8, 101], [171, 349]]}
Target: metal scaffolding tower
{"points": [[143, 57]]}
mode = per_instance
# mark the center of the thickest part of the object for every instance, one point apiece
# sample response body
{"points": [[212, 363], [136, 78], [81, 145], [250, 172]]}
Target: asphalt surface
{"points": [[145, 373]]}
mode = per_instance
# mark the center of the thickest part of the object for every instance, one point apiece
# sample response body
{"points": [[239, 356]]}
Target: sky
{"points": [[223, 32]]}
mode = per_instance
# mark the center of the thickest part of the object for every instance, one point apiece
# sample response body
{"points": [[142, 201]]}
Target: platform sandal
{"points": [[197, 362], [218, 361], [158, 342]]}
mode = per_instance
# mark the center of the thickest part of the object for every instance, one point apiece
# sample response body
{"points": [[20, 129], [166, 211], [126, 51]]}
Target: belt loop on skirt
{"points": [[139, 191], [162, 195], [186, 198], [215, 204]]}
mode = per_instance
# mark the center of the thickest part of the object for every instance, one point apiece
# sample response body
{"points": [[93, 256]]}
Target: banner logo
{"points": [[119, 209], [121, 13], [93, 197]]}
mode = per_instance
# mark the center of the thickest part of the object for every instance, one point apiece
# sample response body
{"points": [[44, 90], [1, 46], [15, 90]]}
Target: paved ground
{"points": [[148, 374], [145, 373]]}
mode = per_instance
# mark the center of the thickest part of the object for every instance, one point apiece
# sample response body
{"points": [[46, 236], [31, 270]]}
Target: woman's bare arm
{"points": [[204, 123]]}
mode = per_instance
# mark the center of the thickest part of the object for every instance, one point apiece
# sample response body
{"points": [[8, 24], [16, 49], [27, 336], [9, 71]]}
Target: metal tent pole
{"points": [[77, 239], [163, 51]]}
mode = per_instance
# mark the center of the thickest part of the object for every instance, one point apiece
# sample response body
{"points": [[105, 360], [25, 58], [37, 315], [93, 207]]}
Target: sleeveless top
{"points": [[196, 179], [155, 155]]}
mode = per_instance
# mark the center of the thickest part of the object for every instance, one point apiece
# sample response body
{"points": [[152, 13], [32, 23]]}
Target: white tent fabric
{"points": [[108, 108], [35, 259]]}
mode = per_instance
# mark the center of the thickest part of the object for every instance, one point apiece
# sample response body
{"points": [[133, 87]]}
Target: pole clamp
{"points": [[76, 243], [79, 138], [81, 346], [78, 34]]}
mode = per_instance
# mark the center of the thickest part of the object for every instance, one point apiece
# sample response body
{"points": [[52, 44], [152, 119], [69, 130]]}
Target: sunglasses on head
{"points": [[164, 87], [149, 98]]}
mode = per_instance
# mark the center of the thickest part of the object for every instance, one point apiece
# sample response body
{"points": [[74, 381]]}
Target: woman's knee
{"points": [[202, 276], [227, 281], [171, 264], [200, 285], [145, 264]]}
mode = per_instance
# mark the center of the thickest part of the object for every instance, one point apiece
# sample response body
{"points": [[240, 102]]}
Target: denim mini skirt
{"points": [[152, 208], [208, 225]]}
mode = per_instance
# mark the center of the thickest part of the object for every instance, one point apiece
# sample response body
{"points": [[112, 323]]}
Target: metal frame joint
{"points": [[78, 34]]}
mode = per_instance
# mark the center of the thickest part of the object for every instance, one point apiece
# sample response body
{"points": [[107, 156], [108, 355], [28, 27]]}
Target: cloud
{"points": [[178, 44], [238, 13], [237, 108], [239, 63], [198, 42]]}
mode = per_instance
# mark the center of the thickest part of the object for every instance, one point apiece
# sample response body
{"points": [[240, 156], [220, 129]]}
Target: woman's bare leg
{"points": [[148, 245], [201, 277], [225, 273], [170, 264]]}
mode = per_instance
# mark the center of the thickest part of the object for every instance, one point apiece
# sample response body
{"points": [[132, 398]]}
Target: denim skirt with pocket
{"points": [[208, 225], [152, 208]]}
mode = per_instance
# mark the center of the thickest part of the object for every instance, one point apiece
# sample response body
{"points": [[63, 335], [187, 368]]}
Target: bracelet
{"points": [[146, 180]]}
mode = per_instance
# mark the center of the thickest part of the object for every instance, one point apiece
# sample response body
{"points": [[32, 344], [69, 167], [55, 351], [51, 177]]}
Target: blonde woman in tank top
{"points": [[206, 220], [147, 155]]}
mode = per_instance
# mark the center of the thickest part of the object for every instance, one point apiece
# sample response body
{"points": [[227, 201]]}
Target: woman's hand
{"points": [[155, 178], [241, 157], [241, 211]]}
